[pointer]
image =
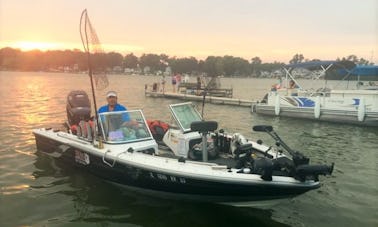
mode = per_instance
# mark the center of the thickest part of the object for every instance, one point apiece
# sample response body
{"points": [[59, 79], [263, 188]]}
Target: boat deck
{"points": [[222, 159]]}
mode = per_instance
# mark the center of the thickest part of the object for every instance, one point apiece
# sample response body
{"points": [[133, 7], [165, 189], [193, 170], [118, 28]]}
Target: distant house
{"points": [[117, 69], [146, 69]]}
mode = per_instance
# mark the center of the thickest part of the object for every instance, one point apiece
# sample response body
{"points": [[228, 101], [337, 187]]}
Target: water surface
{"points": [[36, 191]]}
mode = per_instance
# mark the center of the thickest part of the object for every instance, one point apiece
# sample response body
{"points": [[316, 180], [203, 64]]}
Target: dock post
{"points": [[277, 105], [317, 107], [361, 110]]}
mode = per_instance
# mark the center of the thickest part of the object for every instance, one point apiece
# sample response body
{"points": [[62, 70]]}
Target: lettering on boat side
{"points": [[81, 157], [163, 177]]}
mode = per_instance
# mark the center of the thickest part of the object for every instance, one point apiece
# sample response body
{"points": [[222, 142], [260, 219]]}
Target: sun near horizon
{"points": [[37, 45]]}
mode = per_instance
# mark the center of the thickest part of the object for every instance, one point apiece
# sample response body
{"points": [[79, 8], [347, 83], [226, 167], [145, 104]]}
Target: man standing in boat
{"points": [[112, 105]]}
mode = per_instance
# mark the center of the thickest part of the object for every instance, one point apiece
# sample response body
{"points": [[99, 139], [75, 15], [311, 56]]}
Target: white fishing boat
{"points": [[197, 162], [355, 106]]}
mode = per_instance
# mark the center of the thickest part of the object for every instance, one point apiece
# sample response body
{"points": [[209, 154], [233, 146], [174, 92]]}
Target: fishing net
{"points": [[93, 48]]}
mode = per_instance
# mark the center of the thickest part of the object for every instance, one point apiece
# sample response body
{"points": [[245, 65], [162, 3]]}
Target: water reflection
{"points": [[33, 100], [14, 189]]}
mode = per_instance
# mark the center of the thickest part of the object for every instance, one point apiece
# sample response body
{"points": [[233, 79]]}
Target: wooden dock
{"points": [[191, 88], [209, 99]]}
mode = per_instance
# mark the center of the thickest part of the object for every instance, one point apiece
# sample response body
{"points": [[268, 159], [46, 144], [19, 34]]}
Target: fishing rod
{"points": [[86, 48], [85, 43], [204, 95]]}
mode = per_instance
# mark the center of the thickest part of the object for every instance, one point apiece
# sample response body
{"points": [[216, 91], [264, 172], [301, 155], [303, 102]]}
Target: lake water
{"points": [[34, 191]]}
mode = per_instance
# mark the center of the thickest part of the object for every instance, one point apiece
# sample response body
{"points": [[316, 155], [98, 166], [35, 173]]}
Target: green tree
{"points": [[130, 61], [255, 65], [241, 66], [297, 58], [183, 65], [358, 61], [150, 60], [229, 66], [9, 58], [114, 59], [213, 66]]}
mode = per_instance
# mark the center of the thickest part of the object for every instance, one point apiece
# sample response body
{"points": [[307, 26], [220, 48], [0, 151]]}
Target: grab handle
{"points": [[106, 162], [114, 160]]}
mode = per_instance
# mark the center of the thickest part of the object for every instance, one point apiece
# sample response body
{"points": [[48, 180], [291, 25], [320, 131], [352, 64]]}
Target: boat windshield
{"points": [[124, 126], [184, 114]]}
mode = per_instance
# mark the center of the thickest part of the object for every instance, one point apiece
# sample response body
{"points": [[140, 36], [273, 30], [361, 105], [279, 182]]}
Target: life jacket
{"points": [[84, 129], [157, 128]]}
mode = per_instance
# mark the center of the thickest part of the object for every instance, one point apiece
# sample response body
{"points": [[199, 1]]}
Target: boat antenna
{"points": [[92, 44]]}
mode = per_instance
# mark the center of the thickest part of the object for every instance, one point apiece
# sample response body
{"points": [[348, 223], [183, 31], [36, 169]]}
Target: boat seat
{"points": [[204, 126]]}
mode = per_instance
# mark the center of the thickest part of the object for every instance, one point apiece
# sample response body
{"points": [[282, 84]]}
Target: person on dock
{"points": [[198, 85], [186, 78], [174, 83], [178, 81], [162, 83]]}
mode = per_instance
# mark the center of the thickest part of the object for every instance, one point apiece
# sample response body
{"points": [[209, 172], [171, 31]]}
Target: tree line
{"points": [[76, 61]]}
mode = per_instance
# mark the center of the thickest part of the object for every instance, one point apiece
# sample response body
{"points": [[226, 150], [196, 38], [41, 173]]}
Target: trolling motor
{"points": [[303, 170], [298, 158]]}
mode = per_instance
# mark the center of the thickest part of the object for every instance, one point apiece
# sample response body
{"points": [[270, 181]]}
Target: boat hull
{"points": [[151, 179]]}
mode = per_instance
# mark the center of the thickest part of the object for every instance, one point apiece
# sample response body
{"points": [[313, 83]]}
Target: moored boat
{"points": [[354, 106]]}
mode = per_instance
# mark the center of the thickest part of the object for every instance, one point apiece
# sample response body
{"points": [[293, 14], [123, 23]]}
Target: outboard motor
{"points": [[78, 107], [313, 171]]}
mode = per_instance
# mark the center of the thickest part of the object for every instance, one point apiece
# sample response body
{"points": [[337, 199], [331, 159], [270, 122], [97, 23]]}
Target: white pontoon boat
{"points": [[355, 106]]}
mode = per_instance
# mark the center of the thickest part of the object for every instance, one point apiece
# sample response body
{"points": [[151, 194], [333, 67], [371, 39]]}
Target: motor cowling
{"points": [[304, 172], [78, 107]]}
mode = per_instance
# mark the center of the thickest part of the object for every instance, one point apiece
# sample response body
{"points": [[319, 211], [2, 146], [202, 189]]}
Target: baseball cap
{"points": [[111, 93]]}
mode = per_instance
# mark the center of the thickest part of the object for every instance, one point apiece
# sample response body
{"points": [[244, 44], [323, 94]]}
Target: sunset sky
{"points": [[274, 30]]}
